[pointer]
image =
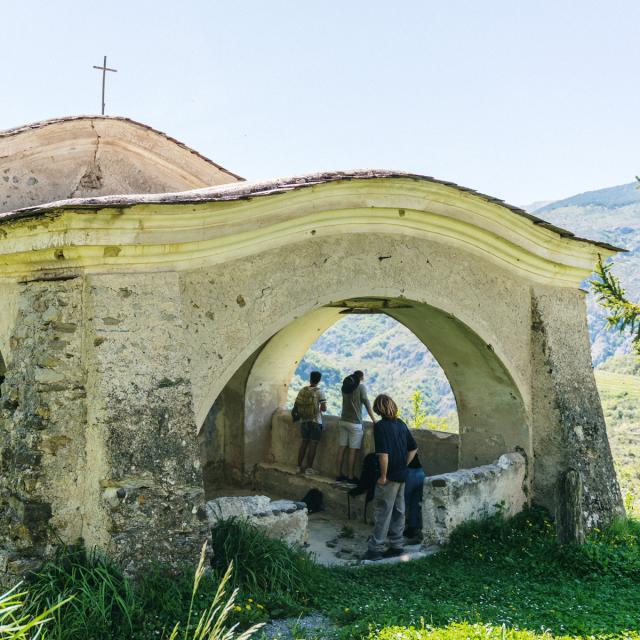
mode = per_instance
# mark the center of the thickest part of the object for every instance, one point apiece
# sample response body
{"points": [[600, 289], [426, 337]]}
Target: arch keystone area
{"points": [[142, 328]]}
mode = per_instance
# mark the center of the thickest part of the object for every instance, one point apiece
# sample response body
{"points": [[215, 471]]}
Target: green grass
{"points": [[491, 575], [618, 383], [99, 601], [620, 395]]}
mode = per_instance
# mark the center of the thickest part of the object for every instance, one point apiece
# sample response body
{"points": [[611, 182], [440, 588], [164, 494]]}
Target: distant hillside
{"points": [[611, 215]]}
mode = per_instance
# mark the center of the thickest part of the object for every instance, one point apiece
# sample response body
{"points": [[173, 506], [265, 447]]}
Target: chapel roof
{"points": [[85, 156], [247, 190]]}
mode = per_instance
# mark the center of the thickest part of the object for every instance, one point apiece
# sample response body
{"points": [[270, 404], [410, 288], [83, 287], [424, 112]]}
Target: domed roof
{"points": [[87, 156]]}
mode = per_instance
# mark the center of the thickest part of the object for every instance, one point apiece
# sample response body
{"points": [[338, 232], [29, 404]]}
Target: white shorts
{"points": [[350, 434]]}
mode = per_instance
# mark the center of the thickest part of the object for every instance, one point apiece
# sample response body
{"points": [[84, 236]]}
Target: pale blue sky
{"points": [[522, 100]]}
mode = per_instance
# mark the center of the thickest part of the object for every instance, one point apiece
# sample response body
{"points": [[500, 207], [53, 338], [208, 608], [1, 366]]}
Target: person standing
{"points": [[350, 429], [395, 448], [413, 489], [310, 404]]}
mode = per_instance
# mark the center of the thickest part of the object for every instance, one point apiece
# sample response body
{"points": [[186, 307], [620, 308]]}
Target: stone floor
{"points": [[335, 541]]}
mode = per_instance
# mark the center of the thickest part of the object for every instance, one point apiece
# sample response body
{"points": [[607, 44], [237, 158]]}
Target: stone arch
{"points": [[491, 410]]}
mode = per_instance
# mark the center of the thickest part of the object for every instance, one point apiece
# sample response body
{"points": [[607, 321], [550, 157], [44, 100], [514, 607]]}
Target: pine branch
{"points": [[623, 314]]}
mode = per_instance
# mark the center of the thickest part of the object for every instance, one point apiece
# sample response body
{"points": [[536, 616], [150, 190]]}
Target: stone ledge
{"points": [[281, 519], [450, 499]]}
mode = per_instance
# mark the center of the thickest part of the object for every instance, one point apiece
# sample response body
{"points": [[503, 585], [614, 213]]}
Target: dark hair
{"points": [[315, 377], [384, 406], [358, 375]]}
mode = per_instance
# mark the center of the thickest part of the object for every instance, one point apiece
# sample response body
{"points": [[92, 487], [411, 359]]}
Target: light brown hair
{"points": [[384, 406]]}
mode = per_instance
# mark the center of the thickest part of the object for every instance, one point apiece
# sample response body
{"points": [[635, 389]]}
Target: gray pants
{"points": [[388, 516]]}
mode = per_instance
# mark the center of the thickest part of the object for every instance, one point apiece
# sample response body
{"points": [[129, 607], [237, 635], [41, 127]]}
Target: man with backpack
{"points": [[309, 405], [351, 431]]}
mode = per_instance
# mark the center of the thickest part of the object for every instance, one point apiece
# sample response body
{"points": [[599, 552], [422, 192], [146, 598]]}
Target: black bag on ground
{"points": [[314, 500]]}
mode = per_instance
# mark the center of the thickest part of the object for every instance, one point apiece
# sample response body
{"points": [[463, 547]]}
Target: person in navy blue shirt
{"points": [[395, 449]]}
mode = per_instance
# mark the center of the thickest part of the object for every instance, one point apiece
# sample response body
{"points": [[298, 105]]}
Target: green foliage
{"points": [[91, 597], [18, 624], [394, 360], [620, 395], [418, 418], [269, 569], [623, 315], [211, 624], [462, 631], [628, 365], [492, 574]]}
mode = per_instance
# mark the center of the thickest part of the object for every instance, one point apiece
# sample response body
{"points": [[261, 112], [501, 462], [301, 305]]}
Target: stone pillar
{"points": [[568, 424], [42, 420], [141, 429]]}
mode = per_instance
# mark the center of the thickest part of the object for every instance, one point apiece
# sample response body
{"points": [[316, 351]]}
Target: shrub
{"points": [[264, 567], [91, 596]]}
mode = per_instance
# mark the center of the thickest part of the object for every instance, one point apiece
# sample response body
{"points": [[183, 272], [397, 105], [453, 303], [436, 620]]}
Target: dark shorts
{"points": [[311, 431]]}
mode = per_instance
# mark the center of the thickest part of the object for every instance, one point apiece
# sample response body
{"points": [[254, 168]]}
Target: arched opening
{"points": [[395, 361], [247, 437]]}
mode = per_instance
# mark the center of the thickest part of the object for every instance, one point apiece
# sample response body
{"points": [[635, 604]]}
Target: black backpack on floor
{"points": [[313, 499]]}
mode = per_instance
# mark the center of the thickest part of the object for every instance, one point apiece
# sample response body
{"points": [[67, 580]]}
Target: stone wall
{"points": [[472, 494], [569, 428], [42, 418], [146, 482], [438, 450]]}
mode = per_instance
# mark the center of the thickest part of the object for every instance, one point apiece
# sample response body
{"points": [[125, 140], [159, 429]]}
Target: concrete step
{"points": [[284, 482]]}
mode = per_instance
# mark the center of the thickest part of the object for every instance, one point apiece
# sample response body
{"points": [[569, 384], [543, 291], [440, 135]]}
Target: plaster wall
{"points": [[9, 295], [569, 430], [145, 484], [451, 499], [94, 156], [42, 418]]}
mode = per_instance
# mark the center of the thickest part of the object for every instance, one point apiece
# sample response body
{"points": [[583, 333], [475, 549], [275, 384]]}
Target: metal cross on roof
{"points": [[104, 69]]}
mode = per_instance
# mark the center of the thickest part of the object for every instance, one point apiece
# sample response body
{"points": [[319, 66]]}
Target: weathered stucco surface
{"points": [[9, 294], [94, 156], [140, 357], [472, 494]]}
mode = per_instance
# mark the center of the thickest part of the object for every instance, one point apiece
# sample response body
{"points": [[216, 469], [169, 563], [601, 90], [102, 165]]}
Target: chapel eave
{"points": [[218, 224]]}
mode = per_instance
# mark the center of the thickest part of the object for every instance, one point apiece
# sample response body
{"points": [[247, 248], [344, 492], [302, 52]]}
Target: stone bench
{"points": [[282, 480], [281, 519]]}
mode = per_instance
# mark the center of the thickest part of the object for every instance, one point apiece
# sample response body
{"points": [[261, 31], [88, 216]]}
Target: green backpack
{"points": [[307, 404]]}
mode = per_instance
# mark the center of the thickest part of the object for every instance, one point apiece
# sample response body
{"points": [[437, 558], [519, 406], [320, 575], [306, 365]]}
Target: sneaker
{"points": [[342, 478], [354, 480], [392, 552], [310, 471], [373, 555]]}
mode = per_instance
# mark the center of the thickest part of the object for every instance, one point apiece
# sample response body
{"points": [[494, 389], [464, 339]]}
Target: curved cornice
{"points": [[186, 230]]}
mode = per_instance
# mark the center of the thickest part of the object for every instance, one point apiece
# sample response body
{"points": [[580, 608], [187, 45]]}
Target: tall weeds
{"points": [[16, 623], [212, 622]]}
